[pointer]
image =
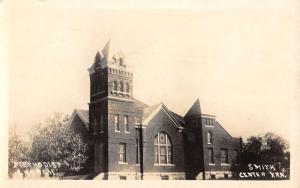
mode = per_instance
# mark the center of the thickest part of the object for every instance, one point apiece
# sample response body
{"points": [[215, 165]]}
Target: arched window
{"points": [[163, 149], [209, 137], [121, 87], [115, 86], [127, 88]]}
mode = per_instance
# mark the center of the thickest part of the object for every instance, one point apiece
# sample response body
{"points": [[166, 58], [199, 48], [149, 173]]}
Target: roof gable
{"points": [[83, 116], [152, 111]]}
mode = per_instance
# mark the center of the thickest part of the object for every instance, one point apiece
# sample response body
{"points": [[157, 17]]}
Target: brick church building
{"points": [[131, 140]]}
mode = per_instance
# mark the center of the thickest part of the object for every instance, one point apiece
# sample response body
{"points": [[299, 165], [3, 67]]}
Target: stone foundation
{"points": [[137, 176], [210, 175]]}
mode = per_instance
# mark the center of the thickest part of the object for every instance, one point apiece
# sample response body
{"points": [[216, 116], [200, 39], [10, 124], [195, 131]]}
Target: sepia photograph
{"points": [[146, 92]]}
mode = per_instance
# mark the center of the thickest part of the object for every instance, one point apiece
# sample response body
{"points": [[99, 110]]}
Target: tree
{"points": [[269, 149], [17, 151], [55, 142]]}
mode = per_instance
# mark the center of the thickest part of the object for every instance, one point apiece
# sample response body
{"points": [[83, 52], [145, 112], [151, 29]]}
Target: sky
{"points": [[236, 60]]}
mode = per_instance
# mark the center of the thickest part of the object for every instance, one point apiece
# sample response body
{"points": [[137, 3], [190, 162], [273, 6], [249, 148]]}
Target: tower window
{"points": [[127, 88], [122, 152], [115, 86], [121, 87], [224, 156], [126, 124], [209, 121], [211, 156], [163, 149], [95, 126], [209, 137], [101, 122], [117, 125]]}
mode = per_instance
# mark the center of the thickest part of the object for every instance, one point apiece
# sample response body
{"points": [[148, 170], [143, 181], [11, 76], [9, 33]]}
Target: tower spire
{"points": [[195, 110], [105, 50]]}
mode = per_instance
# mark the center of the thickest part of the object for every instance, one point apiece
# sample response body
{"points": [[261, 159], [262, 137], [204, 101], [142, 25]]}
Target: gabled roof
{"points": [[83, 116], [223, 129], [179, 118], [194, 110], [148, 113], [151, 111]]}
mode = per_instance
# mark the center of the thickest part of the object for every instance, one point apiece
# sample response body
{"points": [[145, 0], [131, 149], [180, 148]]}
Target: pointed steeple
{"points": [[105, 50], [195, 110]]}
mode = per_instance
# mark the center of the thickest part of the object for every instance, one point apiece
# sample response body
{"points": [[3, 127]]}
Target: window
{"points": [[117, 125], [211, 156], [121, 87], [101, 122], [122, 153], [209, 137], [164, 177], [123, 177], [126, 124], [225, 176], [235, 155], [209, 121], [127, 88], [213, 176], [163, 149], [115, 86], [224, 156]]}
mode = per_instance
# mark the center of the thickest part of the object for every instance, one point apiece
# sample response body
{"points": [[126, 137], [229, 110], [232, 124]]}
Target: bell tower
{"points": [[111, 108]]}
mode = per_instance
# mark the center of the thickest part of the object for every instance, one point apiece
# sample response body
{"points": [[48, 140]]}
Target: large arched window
{"points": [[163, 149], [209, 137], [121, 87], [115, 86]]}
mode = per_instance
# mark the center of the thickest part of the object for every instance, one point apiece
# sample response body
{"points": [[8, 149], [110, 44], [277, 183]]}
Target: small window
{"points": [[126, 124], [225, 176], [123, 178], [209, 137], [95, 126], [224, 156], [117, 125], [122, 152], [121, 87], [101, 122], [213, 176], [211, 156], [127, 88], [235, 155], [115, 86], [165, 177]]}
